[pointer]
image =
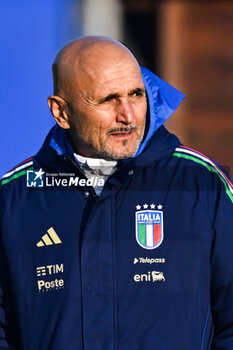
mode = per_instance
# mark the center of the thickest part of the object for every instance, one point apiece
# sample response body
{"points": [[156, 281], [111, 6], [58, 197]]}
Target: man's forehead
{"points": [[110, 72], [90, 60], [107, 62], [121, 83]]}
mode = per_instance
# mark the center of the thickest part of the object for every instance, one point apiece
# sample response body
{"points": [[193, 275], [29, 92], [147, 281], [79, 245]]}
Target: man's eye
{"points": [[109, 98], [138, 92]]}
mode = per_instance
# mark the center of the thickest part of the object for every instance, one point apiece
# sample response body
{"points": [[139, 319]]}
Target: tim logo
{"points": [[49, 270], [35, 178], [47, 281]]}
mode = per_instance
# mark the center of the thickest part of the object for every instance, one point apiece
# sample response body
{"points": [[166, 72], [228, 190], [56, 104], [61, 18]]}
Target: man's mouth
{"points": [[122, 132]]}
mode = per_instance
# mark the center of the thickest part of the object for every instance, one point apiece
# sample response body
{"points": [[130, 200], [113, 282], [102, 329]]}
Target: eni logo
{"points": [[150, 276]]}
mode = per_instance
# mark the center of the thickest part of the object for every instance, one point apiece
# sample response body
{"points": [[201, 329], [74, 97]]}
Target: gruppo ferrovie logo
{"points": [[149, 226], [35, 178]]}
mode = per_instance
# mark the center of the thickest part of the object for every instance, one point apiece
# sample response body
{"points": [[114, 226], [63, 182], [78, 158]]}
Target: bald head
{"points": [[99, 97], [84, 57]]}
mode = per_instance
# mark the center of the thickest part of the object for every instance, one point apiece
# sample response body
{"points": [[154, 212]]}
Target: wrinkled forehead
{"points": [[90, 61], [110, 72]]}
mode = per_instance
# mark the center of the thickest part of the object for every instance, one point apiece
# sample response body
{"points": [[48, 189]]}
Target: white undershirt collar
{"points": [[97, 167]]}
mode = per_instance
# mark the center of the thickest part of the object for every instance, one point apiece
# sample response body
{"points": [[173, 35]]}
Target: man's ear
{"points": [[57, 107]]}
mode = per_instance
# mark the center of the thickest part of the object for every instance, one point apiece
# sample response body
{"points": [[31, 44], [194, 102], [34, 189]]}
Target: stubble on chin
{"points": [[104, 151], [116, 154]]}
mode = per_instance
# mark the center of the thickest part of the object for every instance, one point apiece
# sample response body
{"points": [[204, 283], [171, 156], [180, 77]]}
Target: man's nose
{"points": [[124, 112]]}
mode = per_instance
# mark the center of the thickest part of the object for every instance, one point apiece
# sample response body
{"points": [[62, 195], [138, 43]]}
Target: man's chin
{"points": [[119, 153], [107, 155], [107, 152]]}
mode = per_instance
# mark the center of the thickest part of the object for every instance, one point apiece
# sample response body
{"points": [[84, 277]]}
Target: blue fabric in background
{"points": [[31, 34]]}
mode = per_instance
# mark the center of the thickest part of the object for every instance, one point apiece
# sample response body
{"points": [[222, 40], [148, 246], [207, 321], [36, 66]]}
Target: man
{"points": [[142, 258]]}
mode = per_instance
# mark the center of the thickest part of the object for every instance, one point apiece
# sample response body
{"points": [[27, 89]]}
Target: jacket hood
{"points": [[163, 100]]}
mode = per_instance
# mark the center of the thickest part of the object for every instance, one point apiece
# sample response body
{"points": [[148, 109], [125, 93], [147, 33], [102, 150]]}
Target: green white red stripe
{"points": [[18, 171], [195, 156], [150, 234]]}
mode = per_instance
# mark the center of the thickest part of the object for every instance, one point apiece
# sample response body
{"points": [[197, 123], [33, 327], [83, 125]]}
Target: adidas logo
{"points": [[49, 238]]}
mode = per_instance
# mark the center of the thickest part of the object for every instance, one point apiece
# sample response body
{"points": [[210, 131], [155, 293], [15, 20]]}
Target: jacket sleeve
{"points": [[8, 333], [222, 270]]}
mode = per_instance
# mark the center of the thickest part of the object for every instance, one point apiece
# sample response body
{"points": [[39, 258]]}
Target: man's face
{"points": [[107, 112]]}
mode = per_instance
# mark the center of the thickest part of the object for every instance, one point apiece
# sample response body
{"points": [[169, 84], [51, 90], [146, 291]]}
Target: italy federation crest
{"points": [[149, 228]]}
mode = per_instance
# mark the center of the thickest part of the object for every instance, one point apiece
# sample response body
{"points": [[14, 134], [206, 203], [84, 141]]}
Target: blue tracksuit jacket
{"points": [[145, 266]]}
